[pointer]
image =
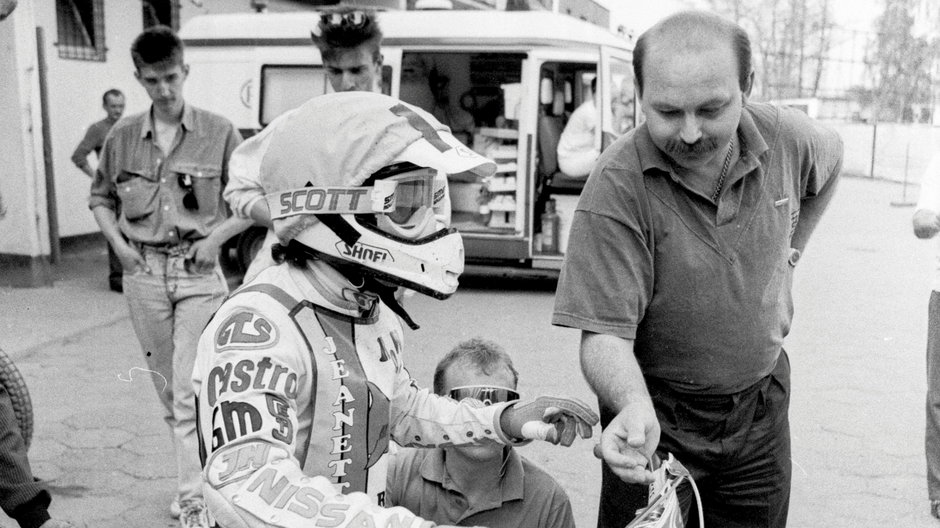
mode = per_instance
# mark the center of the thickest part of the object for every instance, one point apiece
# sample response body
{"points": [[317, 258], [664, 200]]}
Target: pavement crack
{"points": [[28, 352]]}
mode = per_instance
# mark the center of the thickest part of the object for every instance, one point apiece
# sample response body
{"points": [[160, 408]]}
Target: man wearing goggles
{"points": [[481, 485], [299, 376]]}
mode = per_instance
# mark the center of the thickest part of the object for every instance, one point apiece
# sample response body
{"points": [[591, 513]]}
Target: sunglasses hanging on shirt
{"points": [[190, 202]]}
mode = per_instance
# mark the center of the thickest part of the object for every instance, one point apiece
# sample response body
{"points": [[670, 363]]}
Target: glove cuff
{"points": [[502, 425]]}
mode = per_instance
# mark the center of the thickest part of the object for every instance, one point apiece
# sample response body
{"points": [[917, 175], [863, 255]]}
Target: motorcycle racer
{"points": [[299, 378]]}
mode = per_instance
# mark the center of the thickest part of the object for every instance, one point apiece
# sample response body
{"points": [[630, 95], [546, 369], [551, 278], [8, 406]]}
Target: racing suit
{"points": [[300, 386]]}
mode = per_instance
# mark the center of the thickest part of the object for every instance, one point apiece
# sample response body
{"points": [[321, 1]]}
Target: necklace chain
{"points": [[724, 171]]}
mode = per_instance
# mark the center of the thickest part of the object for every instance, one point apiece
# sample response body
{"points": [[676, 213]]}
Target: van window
{"points": [[478, 95], [463, 90], [623, 103], [571, 82], [286, 87]]}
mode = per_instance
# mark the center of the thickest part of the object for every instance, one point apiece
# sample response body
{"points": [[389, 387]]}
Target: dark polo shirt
{"points": [[704, 291], [527, 496]]}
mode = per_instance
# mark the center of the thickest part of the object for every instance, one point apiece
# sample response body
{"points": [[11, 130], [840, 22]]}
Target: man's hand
{"points": [[629, 441], [566, 418], [131, 260], [926, 223], [203, 254]]}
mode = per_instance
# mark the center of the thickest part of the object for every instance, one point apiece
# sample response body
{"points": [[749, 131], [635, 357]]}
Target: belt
{"points": [[165, 247]]}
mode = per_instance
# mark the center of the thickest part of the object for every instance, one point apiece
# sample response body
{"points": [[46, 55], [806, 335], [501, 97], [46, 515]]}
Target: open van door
{"points": [[617, 93]]}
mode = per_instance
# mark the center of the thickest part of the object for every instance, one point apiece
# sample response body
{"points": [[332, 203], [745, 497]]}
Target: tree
{"points": [[790, 39], [900, 62]]}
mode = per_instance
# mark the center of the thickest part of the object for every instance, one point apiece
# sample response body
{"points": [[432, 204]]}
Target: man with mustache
{"points": [[679, 275]]}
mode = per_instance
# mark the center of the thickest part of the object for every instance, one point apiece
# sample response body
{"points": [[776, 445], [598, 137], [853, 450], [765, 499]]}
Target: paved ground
{"points": [[856, 350]]}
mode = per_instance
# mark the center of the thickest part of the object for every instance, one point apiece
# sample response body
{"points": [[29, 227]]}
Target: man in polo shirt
{"points": [[679, 274], [477, 485], [157, 196]]}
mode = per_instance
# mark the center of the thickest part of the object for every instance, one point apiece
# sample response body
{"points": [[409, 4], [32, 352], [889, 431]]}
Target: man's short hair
{"points": [[157, 45], [696, 24], [113, 92], [331, 38], [486, 356]]}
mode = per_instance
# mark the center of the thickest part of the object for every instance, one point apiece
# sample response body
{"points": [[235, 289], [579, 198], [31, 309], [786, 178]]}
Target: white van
{"points": [[505, 82]]}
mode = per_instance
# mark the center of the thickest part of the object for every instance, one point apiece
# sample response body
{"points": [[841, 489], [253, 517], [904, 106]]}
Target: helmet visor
{"points": [[413, 193]]}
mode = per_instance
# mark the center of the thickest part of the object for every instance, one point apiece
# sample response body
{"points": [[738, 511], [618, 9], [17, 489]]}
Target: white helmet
{"points": [[360, 180]]}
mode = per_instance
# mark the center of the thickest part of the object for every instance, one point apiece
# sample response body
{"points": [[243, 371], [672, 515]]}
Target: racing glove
{"points": [[555, 420]]}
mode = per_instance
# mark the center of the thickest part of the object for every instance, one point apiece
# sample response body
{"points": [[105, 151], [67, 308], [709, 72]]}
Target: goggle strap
{"points": [[387, 294], [370, 284], [338, 225]]}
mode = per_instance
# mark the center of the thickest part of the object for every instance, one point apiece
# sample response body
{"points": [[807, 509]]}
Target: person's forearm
{"points": [[230, 227], [612, 371], [260, 213], [107, 221], [811, 211]]}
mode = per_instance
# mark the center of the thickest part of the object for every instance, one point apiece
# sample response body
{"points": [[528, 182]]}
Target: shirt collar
{"points": [[511, 485], [652, 158], [188, 122]]}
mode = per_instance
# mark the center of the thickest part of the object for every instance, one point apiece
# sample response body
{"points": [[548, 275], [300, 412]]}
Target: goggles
{"points": [[486, 394], [399, 197], [353, 19]]}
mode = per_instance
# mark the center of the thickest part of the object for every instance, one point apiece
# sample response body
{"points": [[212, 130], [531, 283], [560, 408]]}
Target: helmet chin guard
{"points": [[430, 265]]}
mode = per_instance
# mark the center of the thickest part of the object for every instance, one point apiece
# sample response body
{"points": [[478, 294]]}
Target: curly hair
{"points": [[332, 38]]}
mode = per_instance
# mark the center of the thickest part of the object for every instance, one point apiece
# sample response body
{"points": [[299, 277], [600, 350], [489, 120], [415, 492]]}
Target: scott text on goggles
{"points": [[319, 199]]}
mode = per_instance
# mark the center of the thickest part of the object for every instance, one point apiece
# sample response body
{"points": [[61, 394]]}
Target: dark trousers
{"points": [[115, 270], [736, 446]]}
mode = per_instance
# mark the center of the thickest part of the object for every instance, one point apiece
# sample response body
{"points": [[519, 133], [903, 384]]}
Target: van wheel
{"points": [[15, 386], [249, 244]]}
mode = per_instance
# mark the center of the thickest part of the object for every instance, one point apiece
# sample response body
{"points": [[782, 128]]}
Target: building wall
{"points": [[23, 230], [74, 89], [587, 10]]}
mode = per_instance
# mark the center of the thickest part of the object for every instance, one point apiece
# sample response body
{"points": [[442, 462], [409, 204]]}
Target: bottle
{"points": [[550, 226], [484, 214]]}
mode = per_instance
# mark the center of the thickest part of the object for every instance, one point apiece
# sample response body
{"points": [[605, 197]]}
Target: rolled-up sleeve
{"points": [[103, 190], [244, 173]]}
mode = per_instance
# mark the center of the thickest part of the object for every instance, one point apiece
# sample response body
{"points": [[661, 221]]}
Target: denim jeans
{"points": [[169, 307], [736, 446], [932, 439]]}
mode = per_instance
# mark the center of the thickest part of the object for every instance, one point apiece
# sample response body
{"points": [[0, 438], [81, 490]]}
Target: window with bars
{"points": [[161, 13], [80, 29]]}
